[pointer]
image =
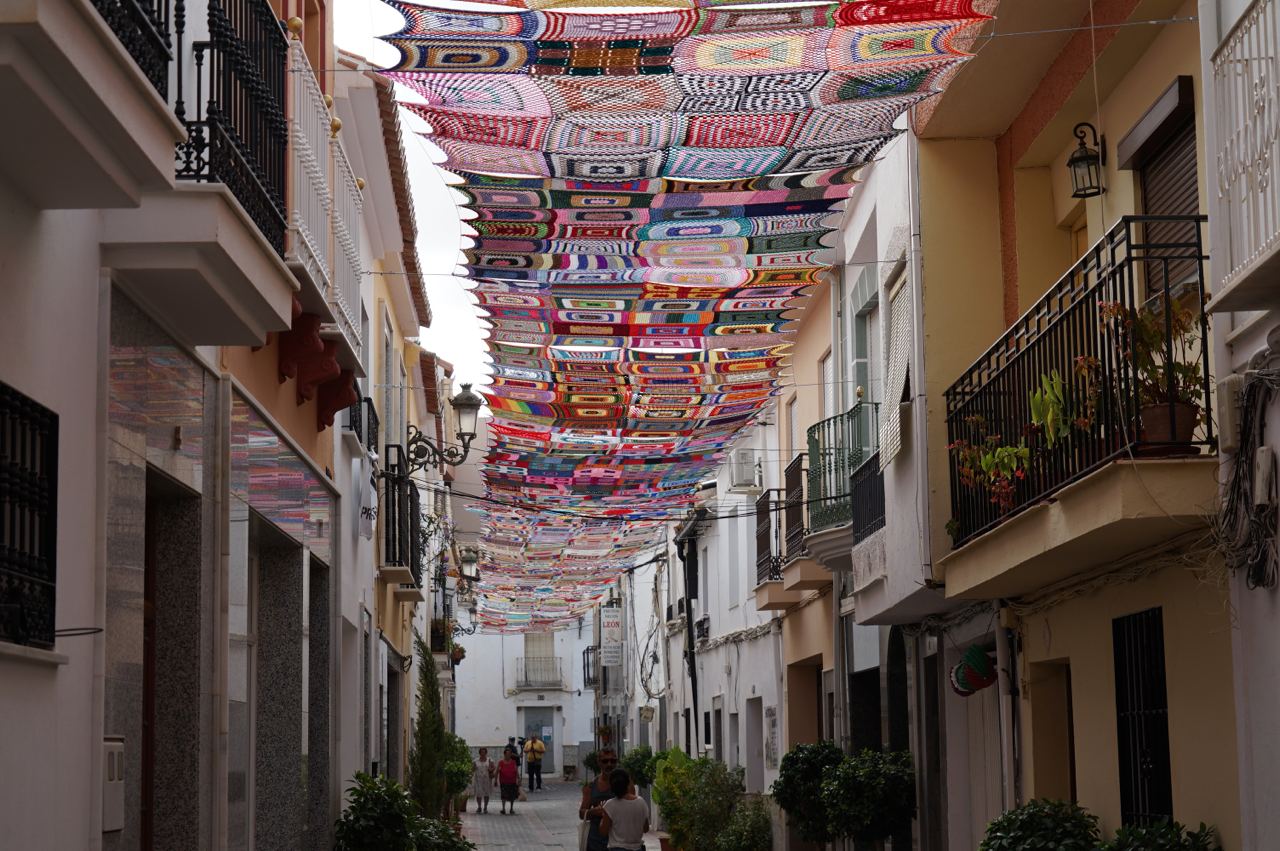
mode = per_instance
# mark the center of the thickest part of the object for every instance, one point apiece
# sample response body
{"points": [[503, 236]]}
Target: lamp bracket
{"points": [[421, 451]]}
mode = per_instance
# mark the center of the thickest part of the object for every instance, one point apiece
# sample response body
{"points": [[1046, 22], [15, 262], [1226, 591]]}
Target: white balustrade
{"points": [[1245, 81], [308, 243], [344, 291]]}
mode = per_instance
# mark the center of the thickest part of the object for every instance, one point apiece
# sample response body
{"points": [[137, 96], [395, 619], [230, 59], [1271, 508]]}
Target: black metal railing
{"points": [[1111, 363], [591, 666], [794, 507], [866, 499], [28, 519], [439, 635], [537, 671], [362, 420], [416, 544], [143, 29], [837, 447], [702, 627], [395, 510], [768, 538], [237, 134]]}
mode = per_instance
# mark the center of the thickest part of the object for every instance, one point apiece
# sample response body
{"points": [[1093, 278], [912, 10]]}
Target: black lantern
{"points": [[423, 452], [1086, 163]]}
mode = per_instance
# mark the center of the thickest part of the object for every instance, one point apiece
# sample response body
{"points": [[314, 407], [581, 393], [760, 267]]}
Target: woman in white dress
{"points": [[483, 771]]}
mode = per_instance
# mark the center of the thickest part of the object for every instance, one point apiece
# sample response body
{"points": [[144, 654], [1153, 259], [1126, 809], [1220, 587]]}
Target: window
{"points": [[29, 522], [1142, 718], [827, 375]]}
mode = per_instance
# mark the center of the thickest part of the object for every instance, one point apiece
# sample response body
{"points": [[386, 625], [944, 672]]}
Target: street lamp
{"points": [[469, 569], [422, 452], [1086, 164]]}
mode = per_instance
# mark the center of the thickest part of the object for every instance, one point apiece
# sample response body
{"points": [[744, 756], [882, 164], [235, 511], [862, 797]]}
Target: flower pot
{"points": [[665, 843], [1158, 427]]}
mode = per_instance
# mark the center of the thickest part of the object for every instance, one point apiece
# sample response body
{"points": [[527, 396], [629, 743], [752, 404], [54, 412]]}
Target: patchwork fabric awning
{"points": [[653, 194]]}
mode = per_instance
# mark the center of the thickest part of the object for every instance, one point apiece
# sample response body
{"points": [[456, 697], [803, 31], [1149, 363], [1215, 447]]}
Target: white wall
{"points": [[53, 342]]}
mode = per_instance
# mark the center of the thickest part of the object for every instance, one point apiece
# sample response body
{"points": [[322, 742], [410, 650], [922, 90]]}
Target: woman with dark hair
{"points": [[594, 794], [626, 815], [509, 779]]}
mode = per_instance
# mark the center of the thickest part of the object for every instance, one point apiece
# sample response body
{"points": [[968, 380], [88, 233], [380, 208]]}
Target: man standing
{"points": [[533, 751]]}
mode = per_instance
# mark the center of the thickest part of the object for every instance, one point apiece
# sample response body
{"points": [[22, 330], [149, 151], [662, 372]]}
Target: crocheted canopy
{"points": [[653, 194]]}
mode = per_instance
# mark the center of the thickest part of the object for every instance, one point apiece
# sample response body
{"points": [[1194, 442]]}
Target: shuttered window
{"points": [[897, 348], [1142, 718], [1170, 187]]}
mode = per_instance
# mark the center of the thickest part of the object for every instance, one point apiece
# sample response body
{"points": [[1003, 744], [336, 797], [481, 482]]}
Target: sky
{"points": [[456, 333]]}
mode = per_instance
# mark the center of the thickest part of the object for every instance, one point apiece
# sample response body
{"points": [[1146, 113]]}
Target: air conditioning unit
{"points": [[744, 471]]}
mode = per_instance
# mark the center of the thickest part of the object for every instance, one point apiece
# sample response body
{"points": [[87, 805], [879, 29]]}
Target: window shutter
{"points": [[897, 357], [1170, 188]]}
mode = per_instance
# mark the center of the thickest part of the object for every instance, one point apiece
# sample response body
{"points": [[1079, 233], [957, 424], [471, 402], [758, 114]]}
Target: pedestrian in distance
{"points": [[509, 779], [626, 816], [483, 772], [534, 750], [594, 795]]}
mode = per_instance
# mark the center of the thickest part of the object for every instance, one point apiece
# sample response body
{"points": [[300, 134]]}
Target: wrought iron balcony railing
{"points": [[866, 498], [768, 538], [362, 420], [143, 29], [794, 514], [309, 202], [591, 666], [1111, 363], [837, 447], [395, 511], [1248, 146], [236, 129], [538, 672]]}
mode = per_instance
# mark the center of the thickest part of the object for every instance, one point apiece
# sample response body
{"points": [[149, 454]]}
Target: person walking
{"points": [[509, 779], [626, 816], [483, 773], [533, 753], [594, 794]]}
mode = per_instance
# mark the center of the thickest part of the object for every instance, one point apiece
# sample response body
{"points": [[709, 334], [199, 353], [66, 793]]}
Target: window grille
{"points": [[1142, 718]]}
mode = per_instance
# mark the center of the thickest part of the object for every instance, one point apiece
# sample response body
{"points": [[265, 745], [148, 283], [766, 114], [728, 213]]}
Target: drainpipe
{"points": [[1005, 660], [687, 551]]}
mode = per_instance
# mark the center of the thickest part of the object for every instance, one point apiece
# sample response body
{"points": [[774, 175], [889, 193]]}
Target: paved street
{"points": [[548, 820]]}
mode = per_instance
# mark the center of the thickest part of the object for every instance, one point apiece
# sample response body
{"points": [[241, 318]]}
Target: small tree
{"points": [[798, 789], [427, 755]]}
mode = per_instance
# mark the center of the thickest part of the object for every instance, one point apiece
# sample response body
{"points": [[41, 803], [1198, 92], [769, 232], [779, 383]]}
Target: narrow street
{"points": [[548, 820]]}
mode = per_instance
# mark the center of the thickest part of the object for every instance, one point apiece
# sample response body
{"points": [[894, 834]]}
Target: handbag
{"points": [[584, 833]]}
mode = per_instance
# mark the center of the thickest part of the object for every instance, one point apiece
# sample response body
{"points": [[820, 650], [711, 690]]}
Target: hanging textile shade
{"points": [[652, 194]]}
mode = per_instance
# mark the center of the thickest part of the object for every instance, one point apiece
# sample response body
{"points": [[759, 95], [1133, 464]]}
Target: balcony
{"points": [[866, 495], [1085, 433], [538, 672], [362, 426], [591, 666], [769, 593], [401, 518], [307, 239], [837, 447], [208, 259], [344, 291], [801, 570], [87, 80], [1248, 199]]}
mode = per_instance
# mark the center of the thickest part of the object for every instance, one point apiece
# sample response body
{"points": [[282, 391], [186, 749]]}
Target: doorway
{"points": [[755, 744], [540, 721]]}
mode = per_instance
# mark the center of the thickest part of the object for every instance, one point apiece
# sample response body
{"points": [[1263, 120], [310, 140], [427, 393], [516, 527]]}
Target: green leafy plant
{"points": [[381, 816], [696, 799], [870, 795], [1048, 408], [440, 836], [750, 827], [592, 761], [427, 755], [798, 789], [639, 763], [1164, 836], [1050, 825], [991, 465], [1162, 346]]}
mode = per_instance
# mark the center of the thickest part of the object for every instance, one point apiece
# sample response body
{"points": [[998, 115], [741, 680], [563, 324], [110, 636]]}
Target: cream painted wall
{"points": [[259, 372], [1197, 634], [962, 288], [811, 341]]}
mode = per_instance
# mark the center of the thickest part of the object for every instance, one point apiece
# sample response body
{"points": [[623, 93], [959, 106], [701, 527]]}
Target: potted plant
{"points": [[696, 799], [605, 733], [870, 796], [1164, 836], [592, 762], [639, 763], [750, 828], [456, 652], [381, 816], [798, 789], [1161, 347], [991, 465], [1043, 824], [1049, 408]]}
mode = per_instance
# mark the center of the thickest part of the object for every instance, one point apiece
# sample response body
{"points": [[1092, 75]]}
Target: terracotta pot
{"points": [[665, 843], [1157, 427]]}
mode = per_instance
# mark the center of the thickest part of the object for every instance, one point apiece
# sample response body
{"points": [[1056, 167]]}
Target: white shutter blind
{"points": [[539, 645], [897, 348]]}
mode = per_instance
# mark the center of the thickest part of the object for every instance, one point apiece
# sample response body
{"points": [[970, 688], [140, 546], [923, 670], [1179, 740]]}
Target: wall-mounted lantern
{"points": [[1086, 163]]}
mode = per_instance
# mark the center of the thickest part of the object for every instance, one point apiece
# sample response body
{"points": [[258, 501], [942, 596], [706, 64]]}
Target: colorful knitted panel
{"points": [[653, 195]]}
